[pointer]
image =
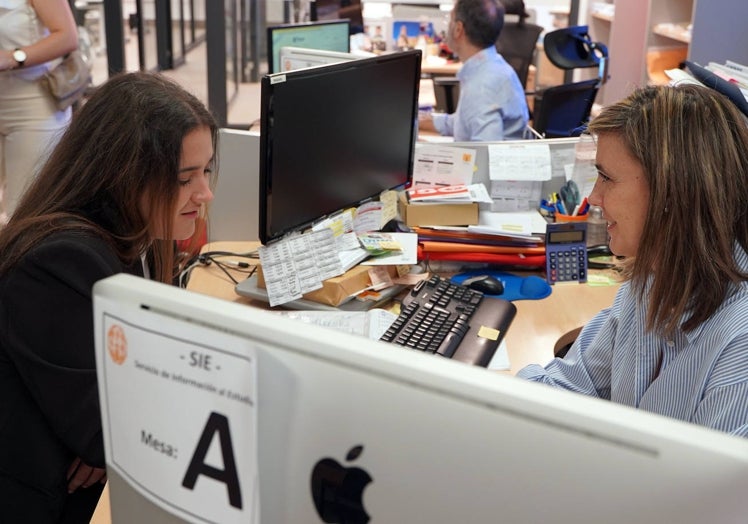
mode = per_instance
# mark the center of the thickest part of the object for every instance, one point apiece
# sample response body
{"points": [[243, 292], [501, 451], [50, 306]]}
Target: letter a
{"points": [[217, 423]]}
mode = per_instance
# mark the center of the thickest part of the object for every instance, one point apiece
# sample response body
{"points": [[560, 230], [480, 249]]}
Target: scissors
{"points": [[570, 196]]}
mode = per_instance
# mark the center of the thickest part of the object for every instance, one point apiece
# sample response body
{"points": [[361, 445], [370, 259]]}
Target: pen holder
{"points": [[570, 218]]}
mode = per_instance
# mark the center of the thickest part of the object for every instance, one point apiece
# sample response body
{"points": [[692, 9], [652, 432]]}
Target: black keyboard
{"points": [[454, 321]]}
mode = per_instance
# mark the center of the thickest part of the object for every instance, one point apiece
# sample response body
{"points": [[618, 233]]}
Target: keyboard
{"points": [[453, 321]]}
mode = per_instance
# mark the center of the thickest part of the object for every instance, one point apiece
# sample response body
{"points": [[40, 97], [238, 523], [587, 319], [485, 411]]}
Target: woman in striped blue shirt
{"points": [[673, 183]]}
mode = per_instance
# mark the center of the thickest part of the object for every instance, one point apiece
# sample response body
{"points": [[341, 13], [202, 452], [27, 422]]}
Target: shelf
{"points": [[605, 17], [603, 11], [680, 32]]}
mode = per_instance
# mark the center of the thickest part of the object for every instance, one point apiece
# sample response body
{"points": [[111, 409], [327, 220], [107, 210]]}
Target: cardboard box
{"points": [[455, 214], [336, 290]]}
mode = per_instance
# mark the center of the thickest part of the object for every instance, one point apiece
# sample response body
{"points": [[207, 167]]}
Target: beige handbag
{"points": [[68, 81]]}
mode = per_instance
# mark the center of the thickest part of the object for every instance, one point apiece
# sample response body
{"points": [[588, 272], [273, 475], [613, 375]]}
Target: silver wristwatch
{"points": [[19, 55]]}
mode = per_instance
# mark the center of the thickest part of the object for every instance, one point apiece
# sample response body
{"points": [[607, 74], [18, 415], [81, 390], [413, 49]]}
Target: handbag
{"points": [[68, 81]]}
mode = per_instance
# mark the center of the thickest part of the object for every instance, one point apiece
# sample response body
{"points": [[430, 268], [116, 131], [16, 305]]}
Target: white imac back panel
{"points": [[324, 426]]}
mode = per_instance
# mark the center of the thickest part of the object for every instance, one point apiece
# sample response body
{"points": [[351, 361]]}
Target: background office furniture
{"points": [[517, 44], [559, 111], [711, 30], [234, 212], [446, 93]]}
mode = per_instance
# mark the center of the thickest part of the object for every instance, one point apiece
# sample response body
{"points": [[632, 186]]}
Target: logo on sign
{"points": [[116, 343]]}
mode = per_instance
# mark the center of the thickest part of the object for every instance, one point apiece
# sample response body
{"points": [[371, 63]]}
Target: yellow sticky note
{"points": [[489, 333]]}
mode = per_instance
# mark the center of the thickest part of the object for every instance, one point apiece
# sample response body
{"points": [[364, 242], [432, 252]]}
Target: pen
{"points": [[583, 205]]}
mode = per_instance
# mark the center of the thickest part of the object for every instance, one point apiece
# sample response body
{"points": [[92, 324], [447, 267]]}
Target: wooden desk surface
{"points": [[450, 68], [531, 338]]}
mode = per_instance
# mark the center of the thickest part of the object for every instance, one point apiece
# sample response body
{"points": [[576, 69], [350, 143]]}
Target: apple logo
{"points": [[337, 490]]}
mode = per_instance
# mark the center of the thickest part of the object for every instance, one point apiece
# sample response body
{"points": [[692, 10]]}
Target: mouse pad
{"points": [[515, 287]]}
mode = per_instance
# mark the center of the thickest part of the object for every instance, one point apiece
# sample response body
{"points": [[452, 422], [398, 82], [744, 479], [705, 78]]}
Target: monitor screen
{"points": [[334, 136], [333, 35]]}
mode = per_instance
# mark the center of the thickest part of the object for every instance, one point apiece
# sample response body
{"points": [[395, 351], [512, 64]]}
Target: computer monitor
{"points": [[292, 58], [342, 426], [330, 35], [332, 137]]}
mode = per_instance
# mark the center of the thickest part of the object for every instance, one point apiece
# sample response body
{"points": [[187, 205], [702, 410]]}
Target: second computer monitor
{"points": [[334, 136], [331, 35]]}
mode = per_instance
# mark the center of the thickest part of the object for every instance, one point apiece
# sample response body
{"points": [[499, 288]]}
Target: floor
{"points": [[244, 108]]}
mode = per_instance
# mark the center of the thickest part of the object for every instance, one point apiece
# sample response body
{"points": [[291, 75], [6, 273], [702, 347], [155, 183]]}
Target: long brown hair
{"points": [[693, 145], [123, 143]]}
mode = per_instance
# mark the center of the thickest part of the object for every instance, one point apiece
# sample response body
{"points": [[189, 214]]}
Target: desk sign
{"points": [[179, 414]]}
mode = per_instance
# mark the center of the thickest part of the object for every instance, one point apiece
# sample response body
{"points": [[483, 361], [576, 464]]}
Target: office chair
{"points": [[446, 93], [563, 110], [517, 43]]}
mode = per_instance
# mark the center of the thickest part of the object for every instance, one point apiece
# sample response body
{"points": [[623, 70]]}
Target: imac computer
{"points": [[329, 35], [332, 137], [218, 412]]}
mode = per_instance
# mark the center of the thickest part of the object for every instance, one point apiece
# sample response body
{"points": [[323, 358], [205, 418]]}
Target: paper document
{"points": [[449, 194], [298, 264], [371, 324], [163, 450], [522, 225], [408, 255], [442, 166], [519, 162]]}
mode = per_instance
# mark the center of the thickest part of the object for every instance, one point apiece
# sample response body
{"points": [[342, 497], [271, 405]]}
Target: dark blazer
{"points": [[49, 412]]}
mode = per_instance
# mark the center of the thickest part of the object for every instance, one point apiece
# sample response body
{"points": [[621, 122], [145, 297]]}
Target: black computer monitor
{"points": [[330, 35], [334, 136]]}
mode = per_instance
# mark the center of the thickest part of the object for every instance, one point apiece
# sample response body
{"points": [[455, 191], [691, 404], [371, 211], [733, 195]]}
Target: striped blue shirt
{"points": [[699, 377], [492, 104]]}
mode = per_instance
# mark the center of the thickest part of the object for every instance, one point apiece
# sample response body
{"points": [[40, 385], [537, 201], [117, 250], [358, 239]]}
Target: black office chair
{"points": [[564, 110], [446, 93], [517, 43]]}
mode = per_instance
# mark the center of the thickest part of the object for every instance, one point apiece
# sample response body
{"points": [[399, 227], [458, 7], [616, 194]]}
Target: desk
{"points": [[530, 340], [534, 332], [448, 69]]}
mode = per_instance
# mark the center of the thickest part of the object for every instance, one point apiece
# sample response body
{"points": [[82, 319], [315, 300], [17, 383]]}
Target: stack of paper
{"points": [[506, 239]]}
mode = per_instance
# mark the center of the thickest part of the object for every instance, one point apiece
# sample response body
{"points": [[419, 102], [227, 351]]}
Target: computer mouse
{"points": [[485, 284]]}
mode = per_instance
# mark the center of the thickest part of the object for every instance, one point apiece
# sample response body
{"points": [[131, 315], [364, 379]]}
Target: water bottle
{"points": [[597, 227]]}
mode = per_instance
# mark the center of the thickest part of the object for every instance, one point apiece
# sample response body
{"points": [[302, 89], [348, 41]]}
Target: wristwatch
{"points": [[19, 55]]}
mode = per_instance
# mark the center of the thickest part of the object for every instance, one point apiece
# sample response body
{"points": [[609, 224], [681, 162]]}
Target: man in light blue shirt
{"points": [[492, 104]]}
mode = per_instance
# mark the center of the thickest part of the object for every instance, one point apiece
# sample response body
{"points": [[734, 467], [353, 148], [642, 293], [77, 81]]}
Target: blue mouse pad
{"points": [[515, 287]]}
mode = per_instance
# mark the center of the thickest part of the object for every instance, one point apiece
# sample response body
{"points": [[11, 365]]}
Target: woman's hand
{"points": [[81, 474], [6, 60]]}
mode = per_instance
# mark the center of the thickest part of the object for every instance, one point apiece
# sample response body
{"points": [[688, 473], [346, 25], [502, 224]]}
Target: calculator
{"points": [[566, 252]]}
